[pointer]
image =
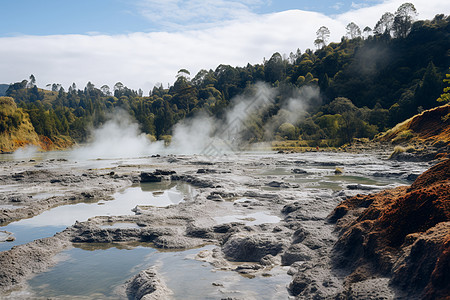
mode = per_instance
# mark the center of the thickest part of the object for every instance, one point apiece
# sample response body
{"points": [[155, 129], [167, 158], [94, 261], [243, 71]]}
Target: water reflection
{"points": [[257, 218], [96, 273], [58, 218]]}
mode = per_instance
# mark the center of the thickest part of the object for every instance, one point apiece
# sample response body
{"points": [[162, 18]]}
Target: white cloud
{"points": [[140, 60]]}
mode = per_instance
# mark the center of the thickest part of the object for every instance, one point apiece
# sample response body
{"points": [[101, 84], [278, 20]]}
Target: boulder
{"points": [[252, 247], [147, 285], [150, 177]]}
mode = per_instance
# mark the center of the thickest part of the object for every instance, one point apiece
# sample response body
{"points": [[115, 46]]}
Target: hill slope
{"points": [[16, 130], [425, 135]]}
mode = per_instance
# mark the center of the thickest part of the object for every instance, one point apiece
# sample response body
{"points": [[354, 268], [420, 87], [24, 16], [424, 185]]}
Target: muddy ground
{"points": [[270, 184]]}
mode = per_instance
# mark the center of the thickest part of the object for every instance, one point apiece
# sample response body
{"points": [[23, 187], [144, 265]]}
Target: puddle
{"points": [[257, 218], [96, 274], [57, 219]]}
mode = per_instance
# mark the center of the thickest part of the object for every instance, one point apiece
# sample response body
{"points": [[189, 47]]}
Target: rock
{"points": [[296, 252], [147, 285], [362, 187], [206, 171], [299, 283], [279, 184], [424, 257], [299, 171], [150, 177], [338, 171], [248, 268], [163, 172], [289, 208], [252, 247]]}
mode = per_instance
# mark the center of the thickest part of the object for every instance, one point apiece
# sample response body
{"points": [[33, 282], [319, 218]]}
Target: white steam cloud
{"points": [[120, 137], [26, 152], [294, 110]]}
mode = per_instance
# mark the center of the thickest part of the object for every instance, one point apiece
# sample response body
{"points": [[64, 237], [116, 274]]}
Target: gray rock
{"points": [[296, 252], [150, 177], [252, 247], [147, 285]]}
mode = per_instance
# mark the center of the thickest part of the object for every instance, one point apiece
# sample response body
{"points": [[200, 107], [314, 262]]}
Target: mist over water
{"points": [[119, 137], [202, 134], [26, 152]]}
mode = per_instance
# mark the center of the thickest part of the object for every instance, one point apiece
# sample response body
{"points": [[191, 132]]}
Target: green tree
{"points": [[429, 89], [445, 97], [274, 68], [323, 34], [353, 30], [404, 17], [384, 25]]}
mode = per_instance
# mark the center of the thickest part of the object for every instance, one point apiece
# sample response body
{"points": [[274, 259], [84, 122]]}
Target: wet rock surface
{"points": [[245, 187], [401, 233], [147, 285]]}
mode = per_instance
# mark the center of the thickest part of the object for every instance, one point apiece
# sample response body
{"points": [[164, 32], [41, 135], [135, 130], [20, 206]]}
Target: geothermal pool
{"points": [[57, 219], [253, 189]]}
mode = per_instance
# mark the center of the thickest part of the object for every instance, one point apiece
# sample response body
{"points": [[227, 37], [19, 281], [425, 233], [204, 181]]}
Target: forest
{"points": [[367, 83]]}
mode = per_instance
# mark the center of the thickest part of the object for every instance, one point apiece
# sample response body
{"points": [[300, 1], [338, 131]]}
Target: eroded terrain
{"points": [[247, 226]]}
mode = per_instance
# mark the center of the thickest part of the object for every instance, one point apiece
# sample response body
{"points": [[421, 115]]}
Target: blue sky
{"points": [[50, 17], [143, 43]]}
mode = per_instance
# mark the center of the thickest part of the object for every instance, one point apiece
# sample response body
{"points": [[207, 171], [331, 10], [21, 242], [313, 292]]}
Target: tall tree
{"points": [[32, 81], [384, 25], [367, 32], [274, 68], [404, 17], [353, 30], [323, 34], [429, 89], [105, 90]]}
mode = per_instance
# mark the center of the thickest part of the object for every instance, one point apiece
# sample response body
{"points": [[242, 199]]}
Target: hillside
{"points": [[16, 130], [426, 134]]}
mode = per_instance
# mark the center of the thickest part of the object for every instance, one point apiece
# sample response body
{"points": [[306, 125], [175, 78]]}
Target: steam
{"points": [[26, 152], [294, 109], [192, 136], [119, 137], [240, 127]]}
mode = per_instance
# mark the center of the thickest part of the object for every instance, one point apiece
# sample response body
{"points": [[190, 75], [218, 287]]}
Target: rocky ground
{"points": [[316, 247]]}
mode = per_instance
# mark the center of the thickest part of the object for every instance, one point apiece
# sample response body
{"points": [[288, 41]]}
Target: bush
{"points": [[403, 136]]}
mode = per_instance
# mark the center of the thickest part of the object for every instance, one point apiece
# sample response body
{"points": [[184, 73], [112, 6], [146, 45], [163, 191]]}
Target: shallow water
{"points": [[97, 272], [256, 218], [57, 219]]}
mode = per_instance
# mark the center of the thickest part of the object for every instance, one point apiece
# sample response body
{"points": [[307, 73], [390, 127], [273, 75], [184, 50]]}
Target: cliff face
{"points": [[16, 130], [402, 233]]}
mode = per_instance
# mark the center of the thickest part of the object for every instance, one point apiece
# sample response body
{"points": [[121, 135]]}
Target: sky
{"points": [[142, 43]]}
